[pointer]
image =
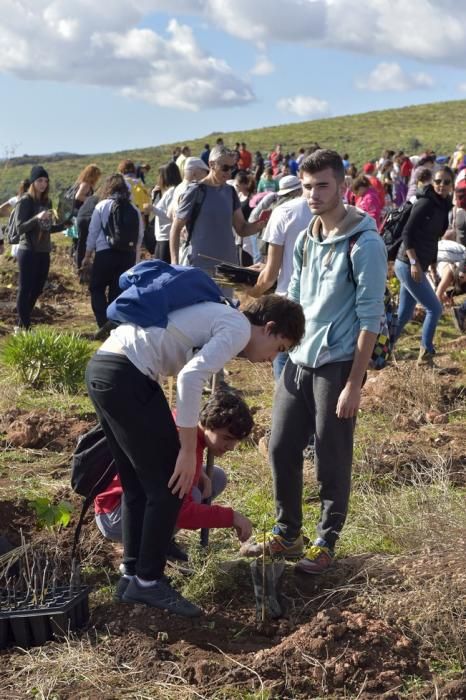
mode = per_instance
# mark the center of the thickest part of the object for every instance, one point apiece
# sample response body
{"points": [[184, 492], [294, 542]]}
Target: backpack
{"points": [[92, 470], [66, 205], [392, 228], [153, 288], [389, 323], [122, 227], [12, 234], [139, 194]]}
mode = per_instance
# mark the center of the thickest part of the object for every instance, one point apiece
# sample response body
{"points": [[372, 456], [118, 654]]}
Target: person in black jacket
{"points": [[83, 219], [427, 223], [34, 223]]}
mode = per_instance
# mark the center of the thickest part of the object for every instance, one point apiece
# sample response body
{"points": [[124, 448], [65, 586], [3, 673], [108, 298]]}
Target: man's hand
{"points": [[242, 525], [205, 483], [182, 478], [348, 401]]}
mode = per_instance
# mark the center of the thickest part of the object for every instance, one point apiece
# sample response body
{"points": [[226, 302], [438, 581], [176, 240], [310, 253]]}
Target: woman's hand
{"points": [[182, 478], [416, 272], [44, 215]]}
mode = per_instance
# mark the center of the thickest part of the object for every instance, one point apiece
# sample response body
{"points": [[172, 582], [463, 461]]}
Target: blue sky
{"points": [[76, 77]]}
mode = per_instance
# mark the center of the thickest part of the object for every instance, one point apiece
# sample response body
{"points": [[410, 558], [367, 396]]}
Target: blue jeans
{"points": [[412, 293]]}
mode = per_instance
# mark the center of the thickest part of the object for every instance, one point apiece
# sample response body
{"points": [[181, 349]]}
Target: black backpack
{"points": [[392, 228], [92, 470], [122, 227]]}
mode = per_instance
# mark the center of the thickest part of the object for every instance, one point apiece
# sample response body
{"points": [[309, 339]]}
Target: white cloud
{"points": [[262, 66], [106, 44], [462, 87], [391, 76], [258, 20], [80, 41], [426, 30], [303, 106]]}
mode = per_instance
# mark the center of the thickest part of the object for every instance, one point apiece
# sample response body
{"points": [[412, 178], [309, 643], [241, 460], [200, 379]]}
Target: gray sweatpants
{"points": [[305, 403]]}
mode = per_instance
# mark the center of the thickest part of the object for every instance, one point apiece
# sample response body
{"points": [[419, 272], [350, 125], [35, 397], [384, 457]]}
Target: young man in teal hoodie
{"points": [[339, 275]]}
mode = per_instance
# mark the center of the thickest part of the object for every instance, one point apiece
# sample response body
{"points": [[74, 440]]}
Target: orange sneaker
{"points": [[275, 546], [316, 560]]}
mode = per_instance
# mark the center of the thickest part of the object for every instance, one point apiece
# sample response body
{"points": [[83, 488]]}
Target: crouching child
{"points": [[224, 421]]}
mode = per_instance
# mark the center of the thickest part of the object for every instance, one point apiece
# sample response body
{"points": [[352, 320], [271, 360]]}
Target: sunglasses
{"points": [[226, 168], [442, 182]]}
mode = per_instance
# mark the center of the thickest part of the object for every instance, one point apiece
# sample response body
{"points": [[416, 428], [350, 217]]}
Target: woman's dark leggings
{"points": [[143, 439], [33, 271], [106, 269]]}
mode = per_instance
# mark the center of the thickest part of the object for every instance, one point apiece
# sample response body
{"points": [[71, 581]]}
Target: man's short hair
{"points": [[322, 159], [220, 152], [287, 316], [226, 409]]}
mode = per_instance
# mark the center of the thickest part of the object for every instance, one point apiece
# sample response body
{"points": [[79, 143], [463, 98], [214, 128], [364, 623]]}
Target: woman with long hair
{"points": [[427, 223], [109, 261], [34, 224], [86, 184], [169, 178]]}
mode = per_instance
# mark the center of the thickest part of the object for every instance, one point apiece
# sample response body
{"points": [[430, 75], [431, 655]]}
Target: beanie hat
{"points": [[368, 168], [38, 171]]}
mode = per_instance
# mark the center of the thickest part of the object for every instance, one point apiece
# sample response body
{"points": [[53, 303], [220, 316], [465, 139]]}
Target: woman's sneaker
{"points": [[275, 546], [121, 587], [317, 560], [161, 595]]}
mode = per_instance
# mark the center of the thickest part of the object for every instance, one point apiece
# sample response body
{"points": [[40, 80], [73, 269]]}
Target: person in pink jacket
{"points": [[367, 198]]}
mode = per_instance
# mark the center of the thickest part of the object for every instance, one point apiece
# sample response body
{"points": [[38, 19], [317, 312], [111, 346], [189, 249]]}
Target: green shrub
{"points": [[50, 515], [44, 358]]}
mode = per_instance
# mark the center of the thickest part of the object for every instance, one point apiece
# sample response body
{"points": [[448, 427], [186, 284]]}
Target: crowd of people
{"points": [[311, 224]]}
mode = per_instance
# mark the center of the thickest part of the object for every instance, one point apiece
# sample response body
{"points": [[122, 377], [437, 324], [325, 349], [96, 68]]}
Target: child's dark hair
{"points": [[287, 316], [225, 409]]}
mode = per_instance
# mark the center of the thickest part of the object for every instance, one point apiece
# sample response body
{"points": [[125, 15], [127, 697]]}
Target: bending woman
{"points": [[34, 224], [427, 223]]}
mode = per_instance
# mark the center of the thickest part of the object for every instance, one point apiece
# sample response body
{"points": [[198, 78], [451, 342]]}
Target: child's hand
{"points": [[206, 486], [242, 525]]}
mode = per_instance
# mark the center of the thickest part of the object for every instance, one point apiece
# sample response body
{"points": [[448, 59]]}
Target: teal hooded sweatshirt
{"points": [[337, 308]]}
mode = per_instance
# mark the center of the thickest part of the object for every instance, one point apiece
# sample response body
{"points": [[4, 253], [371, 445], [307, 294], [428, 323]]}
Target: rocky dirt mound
{"points": [[336, 651], [340, 649], [47, 429]]}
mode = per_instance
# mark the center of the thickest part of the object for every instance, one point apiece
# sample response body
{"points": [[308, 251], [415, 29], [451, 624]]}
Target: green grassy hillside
{"points": [[439, 126]]}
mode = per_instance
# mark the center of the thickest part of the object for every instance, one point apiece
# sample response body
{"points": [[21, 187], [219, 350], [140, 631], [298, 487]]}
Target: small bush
{"points": [[46, 359]]}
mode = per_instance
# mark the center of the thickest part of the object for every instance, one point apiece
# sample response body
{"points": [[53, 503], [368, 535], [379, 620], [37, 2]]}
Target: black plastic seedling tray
{"points": [[27, 623]]}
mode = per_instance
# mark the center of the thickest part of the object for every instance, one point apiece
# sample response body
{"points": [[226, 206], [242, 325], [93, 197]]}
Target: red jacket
{"points": [[192, 516], [245, 160]]}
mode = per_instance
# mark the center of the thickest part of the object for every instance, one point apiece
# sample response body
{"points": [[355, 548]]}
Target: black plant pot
{"points": [[31, 624]]}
